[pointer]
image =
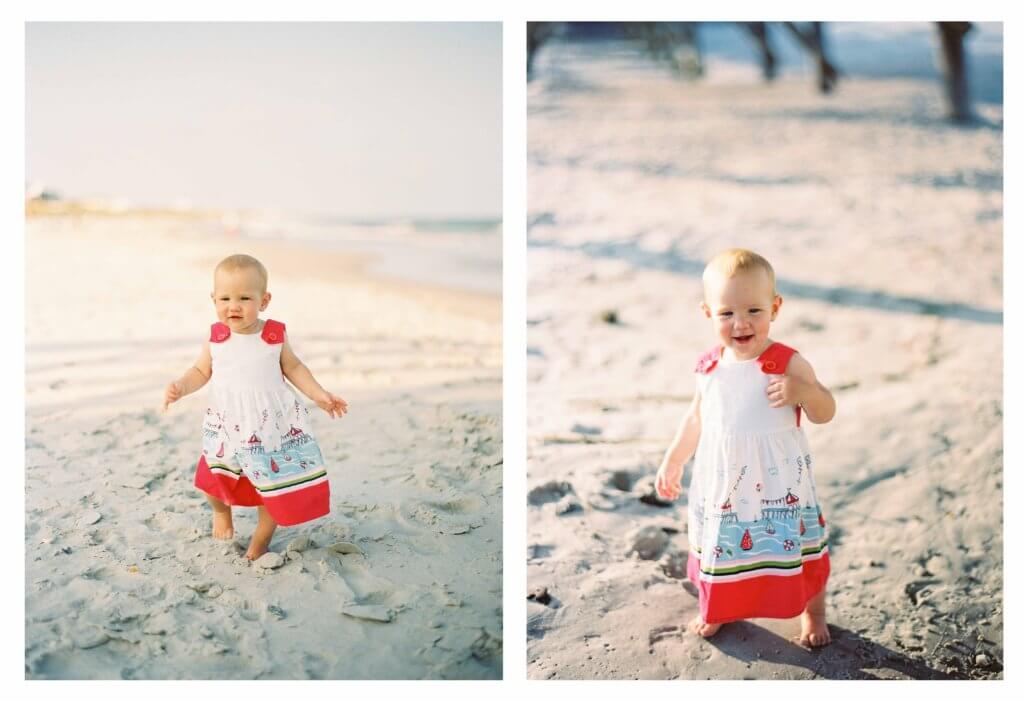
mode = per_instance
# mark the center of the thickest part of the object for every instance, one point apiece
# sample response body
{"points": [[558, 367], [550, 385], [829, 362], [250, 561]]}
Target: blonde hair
{"points": [[737, 260], [241, 261]]}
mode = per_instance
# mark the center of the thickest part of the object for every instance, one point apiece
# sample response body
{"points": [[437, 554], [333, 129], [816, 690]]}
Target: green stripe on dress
{"points": [[226, 468], [292, 483], [766, 564]]}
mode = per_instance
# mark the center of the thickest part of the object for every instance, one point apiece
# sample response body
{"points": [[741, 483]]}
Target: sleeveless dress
{"points": [[258, 449], [758, 541]]}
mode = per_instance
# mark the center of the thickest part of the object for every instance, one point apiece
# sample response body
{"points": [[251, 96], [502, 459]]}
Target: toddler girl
{"points": [[758, 542], [258, 449]]}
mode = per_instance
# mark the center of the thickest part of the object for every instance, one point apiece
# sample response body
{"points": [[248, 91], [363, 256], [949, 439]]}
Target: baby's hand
{"points": [[668, 483], [173, 393], [786, 391], [334, 405]]}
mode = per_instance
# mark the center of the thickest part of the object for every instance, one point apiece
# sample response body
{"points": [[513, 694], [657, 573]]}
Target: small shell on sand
{"points": [[370, 612], [343, 547], [300, 544], [269, 561]]}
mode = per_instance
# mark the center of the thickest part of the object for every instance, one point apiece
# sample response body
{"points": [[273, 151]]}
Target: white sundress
{"points": [[258, 445], [758, 540]]}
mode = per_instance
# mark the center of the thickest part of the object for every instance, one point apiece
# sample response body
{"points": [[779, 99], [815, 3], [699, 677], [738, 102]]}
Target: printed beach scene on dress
{"points": [[758, 538], [258, 445]]}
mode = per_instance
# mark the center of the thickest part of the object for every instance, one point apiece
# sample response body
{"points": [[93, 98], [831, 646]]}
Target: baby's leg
{"points": [[261, 537], [223, 526], [813, 628]]}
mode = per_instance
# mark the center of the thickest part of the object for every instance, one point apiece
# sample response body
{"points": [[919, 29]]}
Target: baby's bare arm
{"points": [[200, 372], [684, 444], [299, 375], [193, 379], [817, 401], [668, 481]]}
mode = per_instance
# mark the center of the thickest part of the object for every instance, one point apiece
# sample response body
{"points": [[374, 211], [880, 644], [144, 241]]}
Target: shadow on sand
{"points": [[890, 117], [849, 656], [673, 262]]}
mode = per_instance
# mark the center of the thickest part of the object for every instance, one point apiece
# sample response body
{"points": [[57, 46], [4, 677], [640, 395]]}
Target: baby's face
{"points": [[239, 298], [741, 309]]}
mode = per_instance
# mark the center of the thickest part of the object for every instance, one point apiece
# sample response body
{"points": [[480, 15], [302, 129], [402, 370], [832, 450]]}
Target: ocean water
{"points": [[461, 254]]}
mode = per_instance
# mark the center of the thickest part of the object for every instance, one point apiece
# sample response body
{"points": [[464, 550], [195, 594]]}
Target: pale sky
{"points": [[351, 119]]}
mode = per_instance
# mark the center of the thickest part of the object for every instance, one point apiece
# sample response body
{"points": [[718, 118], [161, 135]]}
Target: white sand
{"points": [[884, 224], [122, 578]]}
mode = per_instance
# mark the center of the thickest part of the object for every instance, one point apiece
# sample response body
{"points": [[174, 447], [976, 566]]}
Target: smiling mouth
{"points": [[743, 339]]}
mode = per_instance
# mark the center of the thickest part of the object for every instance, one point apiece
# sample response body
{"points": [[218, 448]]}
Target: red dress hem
{"points": [[288, 509], [765, 596]]}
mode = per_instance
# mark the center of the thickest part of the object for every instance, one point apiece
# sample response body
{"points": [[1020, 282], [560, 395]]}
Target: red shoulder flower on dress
{"points": [[219, 333], [775, 359], [273, 332], [707, 362]]}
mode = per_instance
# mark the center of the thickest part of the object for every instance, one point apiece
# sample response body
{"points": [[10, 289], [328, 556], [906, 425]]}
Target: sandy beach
{"points": [[884, 225], [402, 580]]}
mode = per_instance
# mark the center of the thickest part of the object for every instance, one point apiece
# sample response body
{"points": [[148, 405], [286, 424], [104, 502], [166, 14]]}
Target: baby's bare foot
{"points": [[260, 543], [705, 630], [813, 629], [256, 549], [261, 537], [223, 526]]}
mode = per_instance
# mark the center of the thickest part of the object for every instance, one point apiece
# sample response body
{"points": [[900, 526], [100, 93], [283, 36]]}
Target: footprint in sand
{"points": [[673, 564], [537, 551], [623, 480], [453, 517], [648, 542], [919, 591], [656, 635], [462, 505], [549, 492]]}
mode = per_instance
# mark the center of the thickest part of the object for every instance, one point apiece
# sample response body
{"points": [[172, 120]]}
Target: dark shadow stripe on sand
{"points": [[673, 262], [850, 656]]}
